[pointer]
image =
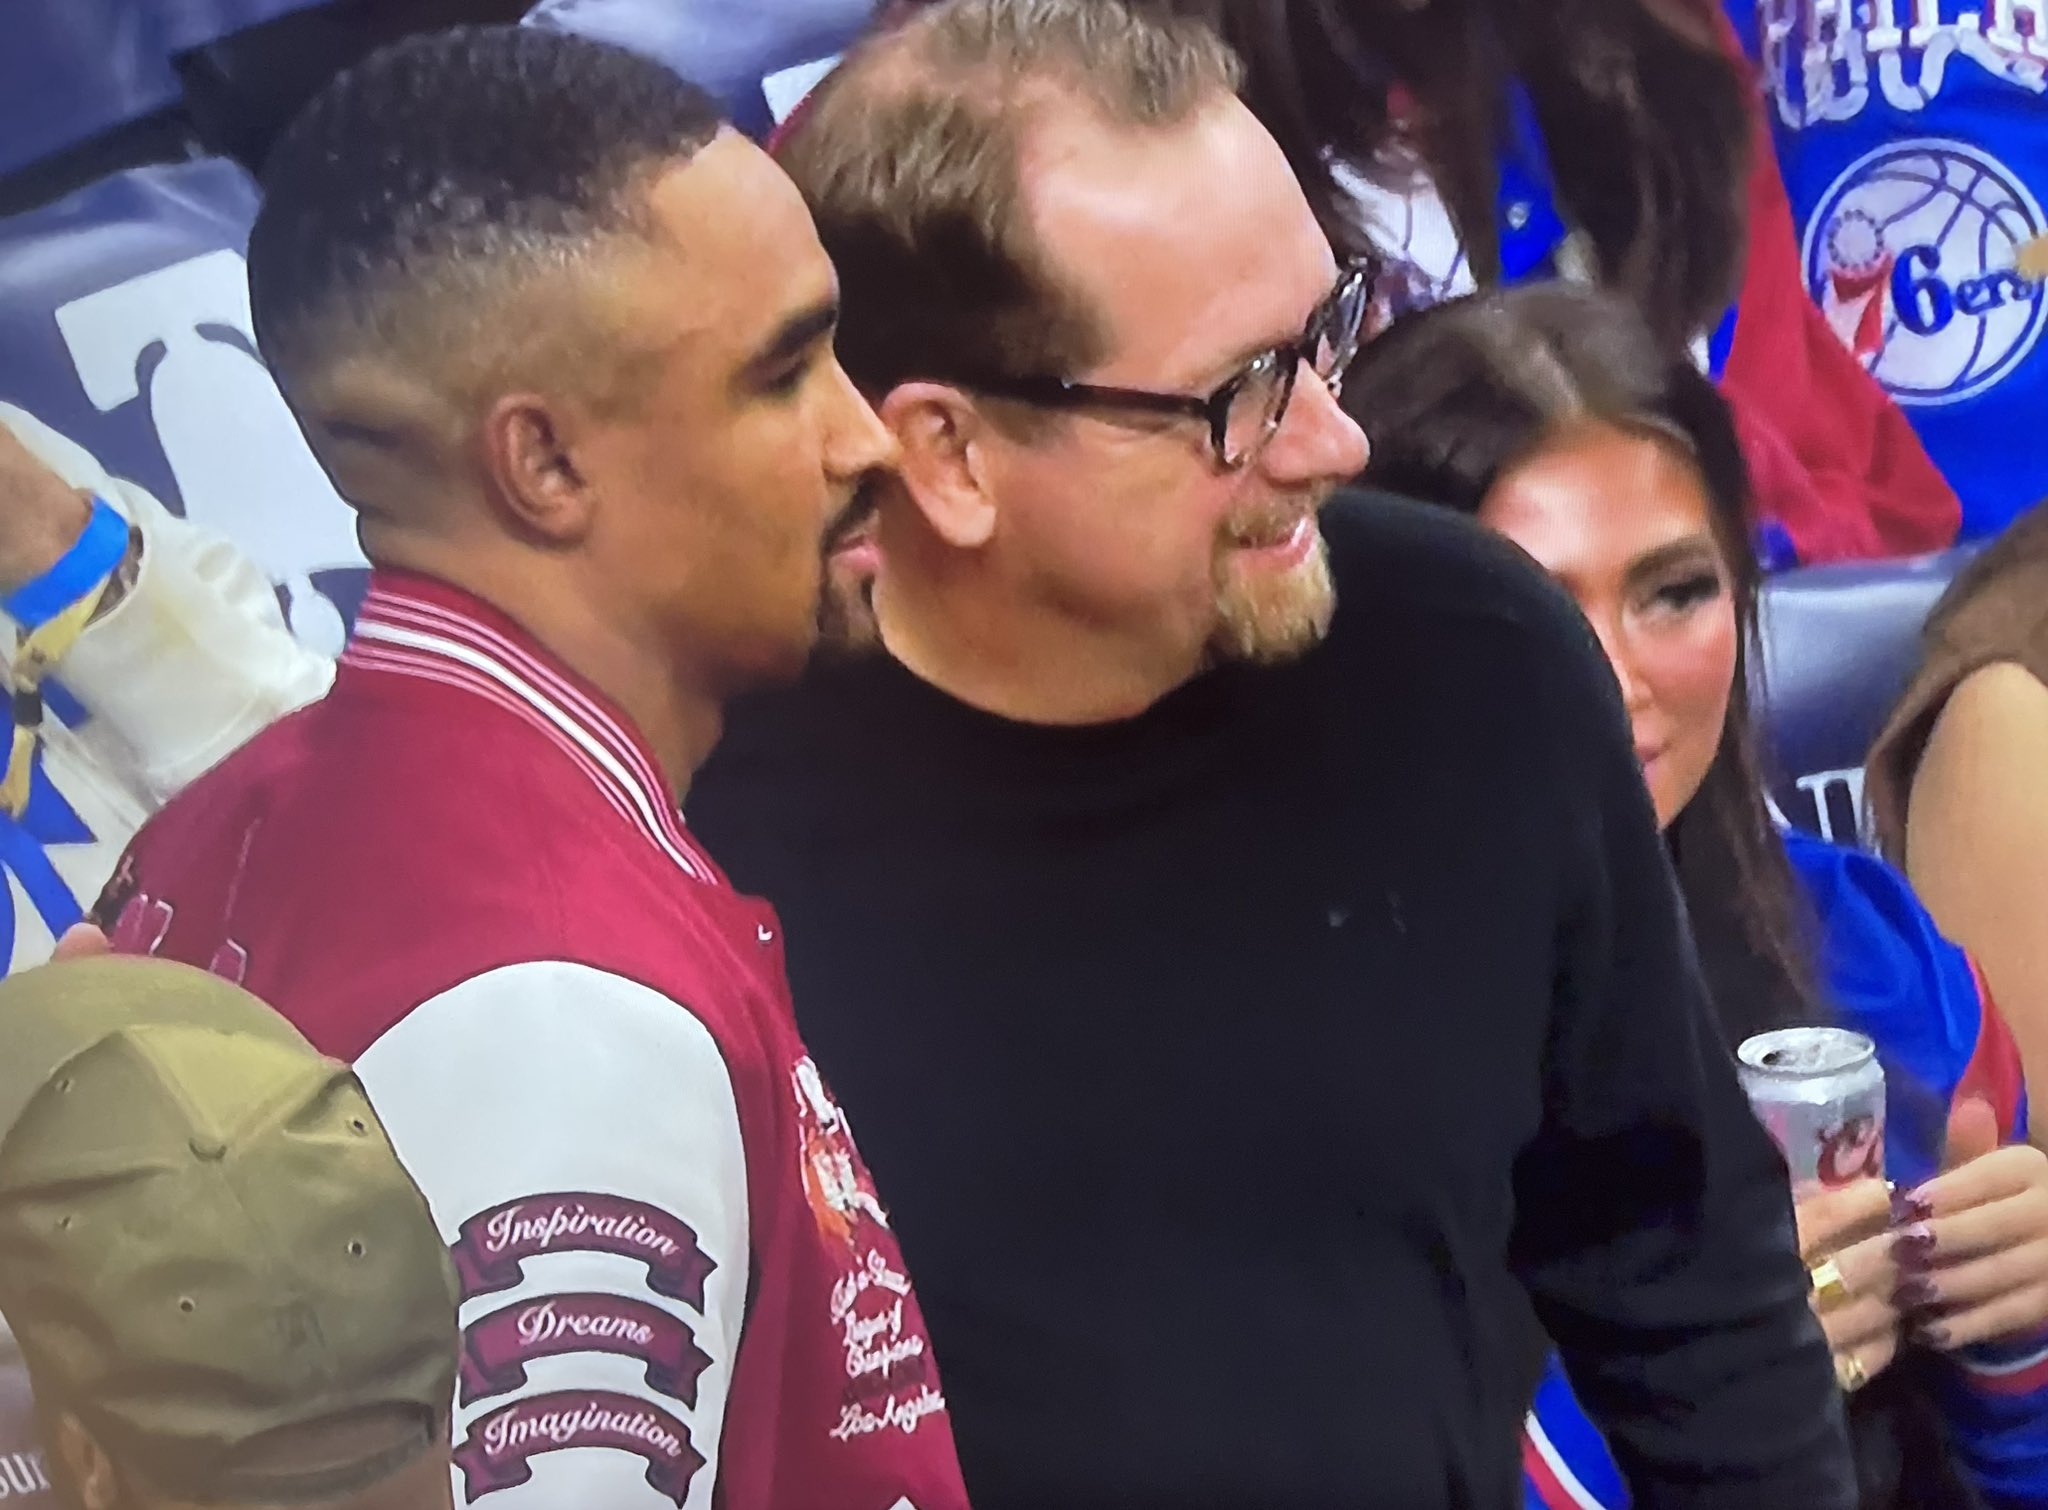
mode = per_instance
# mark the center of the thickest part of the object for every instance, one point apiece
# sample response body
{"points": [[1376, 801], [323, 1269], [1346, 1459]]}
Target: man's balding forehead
{"points": [[1139, 66]]}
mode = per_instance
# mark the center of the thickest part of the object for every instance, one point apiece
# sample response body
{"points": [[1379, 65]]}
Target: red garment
{"points": [[462, 871], [1833, 459]]}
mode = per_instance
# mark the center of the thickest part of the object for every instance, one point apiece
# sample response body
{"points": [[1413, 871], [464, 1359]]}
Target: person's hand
{"points": [[1845, 1239], [41, 515], [1975, 1260]]}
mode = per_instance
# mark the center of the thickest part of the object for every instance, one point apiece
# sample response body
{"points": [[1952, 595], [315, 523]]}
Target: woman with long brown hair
{"points": [[1549, 413]]}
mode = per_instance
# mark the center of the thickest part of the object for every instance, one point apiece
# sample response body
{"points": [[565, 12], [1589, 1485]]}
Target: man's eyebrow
{"points": [[1229, 365], [793, 337], [1237, 359]]}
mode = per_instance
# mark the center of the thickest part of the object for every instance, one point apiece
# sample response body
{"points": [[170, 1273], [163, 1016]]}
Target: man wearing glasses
{"points": [[1235, 926]]}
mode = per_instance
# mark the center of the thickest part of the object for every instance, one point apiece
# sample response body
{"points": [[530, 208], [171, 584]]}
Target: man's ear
{"points": [[530, 452], [83, 1464], [944, 440]]}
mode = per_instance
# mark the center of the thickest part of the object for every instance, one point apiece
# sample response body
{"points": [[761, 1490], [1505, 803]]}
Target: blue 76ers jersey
{"points": [[1913, 135]]}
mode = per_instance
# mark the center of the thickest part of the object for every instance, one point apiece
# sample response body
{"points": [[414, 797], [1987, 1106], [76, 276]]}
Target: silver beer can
{"points": [[1820, 1093]]}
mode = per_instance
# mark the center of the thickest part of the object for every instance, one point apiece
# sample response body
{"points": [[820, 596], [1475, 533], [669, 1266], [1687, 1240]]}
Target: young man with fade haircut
{"points": [[1242, 941], [226, 1288], [566, 344]]}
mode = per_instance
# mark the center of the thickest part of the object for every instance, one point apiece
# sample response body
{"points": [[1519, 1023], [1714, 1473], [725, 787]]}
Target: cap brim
{"points": [[53, 1013]]}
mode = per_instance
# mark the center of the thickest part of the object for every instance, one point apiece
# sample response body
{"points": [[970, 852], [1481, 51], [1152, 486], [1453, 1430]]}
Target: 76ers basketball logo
{"points": [[1927, 257]]}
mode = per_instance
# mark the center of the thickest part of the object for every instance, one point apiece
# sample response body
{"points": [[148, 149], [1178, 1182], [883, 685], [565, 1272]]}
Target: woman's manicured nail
{"points": [[1912, 1294], [1908, 1206], [1913, 1247]]}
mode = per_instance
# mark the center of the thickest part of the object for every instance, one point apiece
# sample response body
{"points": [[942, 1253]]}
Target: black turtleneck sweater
{"points": [[1237, 1074]]}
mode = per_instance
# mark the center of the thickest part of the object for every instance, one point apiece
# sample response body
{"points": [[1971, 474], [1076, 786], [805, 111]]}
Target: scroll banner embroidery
{"points": [[498, 1454], [493, 1246], [497, 1349]]}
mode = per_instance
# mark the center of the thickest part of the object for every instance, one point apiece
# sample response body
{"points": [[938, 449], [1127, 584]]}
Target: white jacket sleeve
{"points": [[577, 1136], [195, 659]]}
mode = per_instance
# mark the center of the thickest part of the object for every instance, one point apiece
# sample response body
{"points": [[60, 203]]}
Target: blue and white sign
{"points": [[125, 325], [1915, 254]]}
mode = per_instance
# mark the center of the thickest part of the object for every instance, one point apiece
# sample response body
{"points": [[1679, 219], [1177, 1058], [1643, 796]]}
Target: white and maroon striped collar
{"points": [[422, 628]]}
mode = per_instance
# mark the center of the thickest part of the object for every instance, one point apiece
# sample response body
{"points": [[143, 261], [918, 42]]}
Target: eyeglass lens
{"points": [[1257, 406], [1329, 345]]}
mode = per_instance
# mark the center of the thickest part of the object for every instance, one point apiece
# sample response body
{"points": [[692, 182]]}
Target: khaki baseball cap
{"points": [[209, 1252]]}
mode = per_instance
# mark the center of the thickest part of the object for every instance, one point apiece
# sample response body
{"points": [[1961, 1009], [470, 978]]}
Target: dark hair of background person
{"points": [[409, 207], [1644, 114], [909, 156], [1454, 396]]}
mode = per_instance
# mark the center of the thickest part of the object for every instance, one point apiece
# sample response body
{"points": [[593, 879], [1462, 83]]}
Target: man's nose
{"points": [[1317, 442]]}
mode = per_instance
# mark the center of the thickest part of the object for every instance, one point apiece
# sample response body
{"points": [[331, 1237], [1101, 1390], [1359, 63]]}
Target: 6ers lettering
{"points": [[1927, 256]]}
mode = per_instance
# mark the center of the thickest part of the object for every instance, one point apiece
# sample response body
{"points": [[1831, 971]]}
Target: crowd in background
{"points": [[1281, 947]]}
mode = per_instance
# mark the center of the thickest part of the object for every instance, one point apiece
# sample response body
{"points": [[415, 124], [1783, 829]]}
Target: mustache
{"points": [[856, 516], [1275, 514]]}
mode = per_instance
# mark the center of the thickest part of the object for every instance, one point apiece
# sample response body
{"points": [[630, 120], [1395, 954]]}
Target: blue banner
{"points": [[731, 47], [72, 69]]}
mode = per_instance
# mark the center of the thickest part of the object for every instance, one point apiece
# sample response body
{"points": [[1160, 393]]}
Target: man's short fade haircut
{"points": [[423, 185], [910, 157]]}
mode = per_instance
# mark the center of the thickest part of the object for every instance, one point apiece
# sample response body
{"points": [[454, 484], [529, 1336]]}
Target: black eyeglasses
{"points": [[1247, 409]]}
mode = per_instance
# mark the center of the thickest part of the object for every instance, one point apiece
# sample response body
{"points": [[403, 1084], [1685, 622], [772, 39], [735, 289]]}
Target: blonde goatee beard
{"points": [[1271, 617]]}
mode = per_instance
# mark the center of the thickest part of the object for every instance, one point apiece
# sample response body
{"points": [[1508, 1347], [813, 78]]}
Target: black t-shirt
{"points": [[1236, 1073]]}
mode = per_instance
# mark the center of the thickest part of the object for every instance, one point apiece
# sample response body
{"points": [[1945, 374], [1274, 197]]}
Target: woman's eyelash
{"points": [[1687, 591]]}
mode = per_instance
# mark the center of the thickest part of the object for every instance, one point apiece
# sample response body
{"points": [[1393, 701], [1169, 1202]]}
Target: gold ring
{"points": [[1829, 1288], [1849, 1373]]}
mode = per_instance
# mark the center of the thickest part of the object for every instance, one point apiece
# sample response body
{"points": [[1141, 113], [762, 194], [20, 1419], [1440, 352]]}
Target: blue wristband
{"points": [[89, 562]]}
